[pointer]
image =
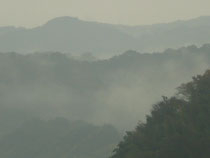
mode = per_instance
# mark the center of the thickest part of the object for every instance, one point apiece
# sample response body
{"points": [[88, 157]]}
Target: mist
{"points": [[118, 91], [104, 79]]}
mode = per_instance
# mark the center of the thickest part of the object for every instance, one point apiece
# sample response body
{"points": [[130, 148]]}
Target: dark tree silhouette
{"points": [[178, 127]]}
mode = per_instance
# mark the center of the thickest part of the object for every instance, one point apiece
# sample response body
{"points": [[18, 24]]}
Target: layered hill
{"points": [[71, 35], [113, 91]]}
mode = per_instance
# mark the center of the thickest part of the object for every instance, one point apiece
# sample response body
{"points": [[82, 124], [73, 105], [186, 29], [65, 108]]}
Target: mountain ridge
{"points": [[75, 36]]}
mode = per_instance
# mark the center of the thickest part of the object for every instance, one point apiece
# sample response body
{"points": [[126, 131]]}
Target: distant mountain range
{"points": [[71, 35]]}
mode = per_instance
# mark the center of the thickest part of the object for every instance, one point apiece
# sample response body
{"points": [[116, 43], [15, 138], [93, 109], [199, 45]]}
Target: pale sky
{"points": [[31, 13]]}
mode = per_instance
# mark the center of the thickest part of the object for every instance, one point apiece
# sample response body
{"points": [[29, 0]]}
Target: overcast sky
{"points": [[32, 13]]}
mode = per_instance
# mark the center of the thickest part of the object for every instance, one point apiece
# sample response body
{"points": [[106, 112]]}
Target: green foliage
{"points": [[178, 127]]}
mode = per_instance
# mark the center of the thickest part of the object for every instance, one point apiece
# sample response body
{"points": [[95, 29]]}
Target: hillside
{"points": [[178, 127], [50, 85], [170, 35], [71, 35]]}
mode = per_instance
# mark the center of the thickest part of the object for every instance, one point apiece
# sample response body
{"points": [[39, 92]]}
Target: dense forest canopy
{"points": [[178, 127]]}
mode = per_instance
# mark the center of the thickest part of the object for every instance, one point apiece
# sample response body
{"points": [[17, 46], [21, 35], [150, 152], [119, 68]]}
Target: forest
{"points": [[178, 127], [104, 79], [58, 105]]}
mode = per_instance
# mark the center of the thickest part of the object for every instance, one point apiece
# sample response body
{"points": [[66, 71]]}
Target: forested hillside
{"points": [[178, 127], [77, 75], [113, 91]]}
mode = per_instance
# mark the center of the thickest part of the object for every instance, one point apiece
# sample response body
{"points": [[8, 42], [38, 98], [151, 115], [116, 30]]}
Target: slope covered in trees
{"points": [[178, 127], [49, 85]]}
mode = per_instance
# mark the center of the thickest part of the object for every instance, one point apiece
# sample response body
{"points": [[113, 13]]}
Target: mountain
{"points": [[71, 35], [59, 138], [112, 91], [178, 127], [171, 35], [67, 34]]}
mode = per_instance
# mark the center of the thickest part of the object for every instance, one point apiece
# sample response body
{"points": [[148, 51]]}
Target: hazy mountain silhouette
{"points": [[171, 35], [67, 34]]}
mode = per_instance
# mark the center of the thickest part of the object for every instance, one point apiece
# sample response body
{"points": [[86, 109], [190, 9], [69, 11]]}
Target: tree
{"points": [[178, 127]]}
